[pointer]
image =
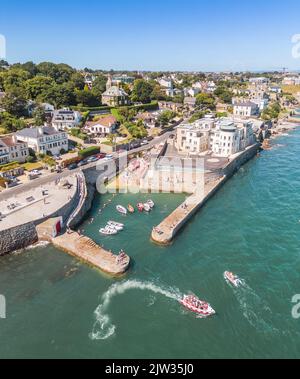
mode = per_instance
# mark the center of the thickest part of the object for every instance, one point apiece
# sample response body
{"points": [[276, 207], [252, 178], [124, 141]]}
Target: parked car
{"points": [[92, 159], [109, 157], [101, 155], [72, 166], [82, 163]]}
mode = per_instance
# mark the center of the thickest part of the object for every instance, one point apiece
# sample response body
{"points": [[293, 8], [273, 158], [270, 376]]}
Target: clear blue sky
{"points": [[153, 35]]}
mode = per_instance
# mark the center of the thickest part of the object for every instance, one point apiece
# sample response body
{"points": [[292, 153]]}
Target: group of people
{"points": [[121, 257]]}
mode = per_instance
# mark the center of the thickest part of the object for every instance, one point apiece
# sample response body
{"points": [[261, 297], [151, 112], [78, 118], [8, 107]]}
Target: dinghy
{"points": [[121, 209]]}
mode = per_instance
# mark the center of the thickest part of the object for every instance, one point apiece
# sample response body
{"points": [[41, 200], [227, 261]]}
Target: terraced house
{"points": [[44, 139], [12, 150]]}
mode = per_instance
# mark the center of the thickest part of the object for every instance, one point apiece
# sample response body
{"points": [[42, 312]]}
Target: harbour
{"points": [[238, 229]]}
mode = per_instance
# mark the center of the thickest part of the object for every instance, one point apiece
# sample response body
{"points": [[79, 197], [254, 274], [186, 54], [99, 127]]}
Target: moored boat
{"points": [[113, 223], [195, 305], [130, 208], [121, 209], [151, 203], [232, 279], [147, 207], [140, 207], [108, 231]]}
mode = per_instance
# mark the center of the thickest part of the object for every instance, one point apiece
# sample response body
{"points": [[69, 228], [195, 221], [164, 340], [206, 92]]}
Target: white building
{"points": [[65, 119], [44, 139], [165, 83], [12, 150], [246, 109], [260, 80], [104, 126], [223, 137], [230, 137], [191, 92]]}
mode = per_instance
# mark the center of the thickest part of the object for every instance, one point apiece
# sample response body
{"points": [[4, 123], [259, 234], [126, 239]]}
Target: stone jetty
{"points": [[89, 252]]}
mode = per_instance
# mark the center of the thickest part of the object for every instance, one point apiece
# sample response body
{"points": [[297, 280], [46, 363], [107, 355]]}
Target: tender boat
{"points": [[140, 207], [108, 231], [121, 209], [147, 207], [116, 227], [151, 203], [195, 305], [130, 208], [232, 279], [113, 223]]}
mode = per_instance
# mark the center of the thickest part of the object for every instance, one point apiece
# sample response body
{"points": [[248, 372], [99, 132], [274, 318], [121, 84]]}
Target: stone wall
{"points": [[17, 238], [25, 235]]}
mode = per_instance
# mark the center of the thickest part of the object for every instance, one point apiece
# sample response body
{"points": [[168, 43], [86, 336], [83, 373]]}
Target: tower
{"points": [[109, 82]]}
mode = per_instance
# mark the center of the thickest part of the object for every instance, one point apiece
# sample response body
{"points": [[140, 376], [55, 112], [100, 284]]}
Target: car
{"points": [[35, 173], [72, 166], [144, 143], [92, 159], [101, 155], [82, 163]]}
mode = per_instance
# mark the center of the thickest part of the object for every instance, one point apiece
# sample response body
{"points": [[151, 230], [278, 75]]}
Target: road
{"points": [[11, 192]]}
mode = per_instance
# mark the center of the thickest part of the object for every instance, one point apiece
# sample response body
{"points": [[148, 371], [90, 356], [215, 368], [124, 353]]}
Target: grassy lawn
{"points": [[293, 90], [33, 166]]}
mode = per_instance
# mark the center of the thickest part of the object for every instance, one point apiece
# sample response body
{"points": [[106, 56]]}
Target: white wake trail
{"points": [[103, 328]]}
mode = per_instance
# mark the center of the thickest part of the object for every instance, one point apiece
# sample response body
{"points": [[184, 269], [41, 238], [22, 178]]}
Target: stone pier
{"points": [[165, 232], [89, 252]]}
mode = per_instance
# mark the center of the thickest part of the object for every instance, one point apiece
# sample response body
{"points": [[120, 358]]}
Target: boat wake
{"points": [[255, 310], [103, 327]]}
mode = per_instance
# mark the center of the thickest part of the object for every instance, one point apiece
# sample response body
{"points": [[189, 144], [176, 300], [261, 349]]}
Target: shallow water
{"points": [[57, 307]]}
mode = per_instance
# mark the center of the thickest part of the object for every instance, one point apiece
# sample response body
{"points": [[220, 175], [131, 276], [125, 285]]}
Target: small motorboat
{"points": [[113, 223], [151, 203], [140, 207], [121, 209], [108, 231], [130, 208], [232, 279], [195, 305], [118, 228], [147, 207]]}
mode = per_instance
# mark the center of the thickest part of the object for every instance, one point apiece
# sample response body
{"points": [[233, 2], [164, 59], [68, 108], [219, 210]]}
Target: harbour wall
{"points": [[169, 228], [22, 236]]}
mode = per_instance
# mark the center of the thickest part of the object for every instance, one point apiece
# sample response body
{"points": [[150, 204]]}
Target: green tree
{"points": [[37, 86], [142, 91], [14, 103], [166, 117], [39, 116], [205, 100], [99, 85], [87, 99]]}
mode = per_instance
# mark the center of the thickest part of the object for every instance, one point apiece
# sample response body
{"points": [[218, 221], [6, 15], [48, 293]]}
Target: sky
{"points": [[158, 35]]}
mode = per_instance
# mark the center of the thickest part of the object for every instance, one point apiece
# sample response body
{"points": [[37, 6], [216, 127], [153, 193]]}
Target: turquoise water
{"points": [[58, 307]]}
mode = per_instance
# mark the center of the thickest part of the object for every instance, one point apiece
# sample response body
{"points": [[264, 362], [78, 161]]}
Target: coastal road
{"points": [[11, 192]]}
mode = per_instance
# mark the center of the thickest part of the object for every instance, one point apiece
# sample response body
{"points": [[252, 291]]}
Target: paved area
{"points": [[36, 203]]}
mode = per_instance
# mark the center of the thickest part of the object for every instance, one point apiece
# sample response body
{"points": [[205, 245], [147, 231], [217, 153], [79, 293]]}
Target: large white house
{"points": [[223, 137], [230, 137], [12, 150], [102, 127], [64, 119], [44, 139], [245, 109]]}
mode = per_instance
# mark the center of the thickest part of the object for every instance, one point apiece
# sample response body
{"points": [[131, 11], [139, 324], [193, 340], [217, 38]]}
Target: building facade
{"points": [[65, 119], [246, 109], [44, 139], [102, 127], [13, 150]]}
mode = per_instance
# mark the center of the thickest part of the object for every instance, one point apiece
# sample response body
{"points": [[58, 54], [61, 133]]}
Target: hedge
{"points": [[89, 151]]}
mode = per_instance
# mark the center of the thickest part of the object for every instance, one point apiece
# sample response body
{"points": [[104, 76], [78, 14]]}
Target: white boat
{"points": [[151, 203], [113, 223], [233, 279], [116, 227], [108, 231], [121, 209], [147, 207]]}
